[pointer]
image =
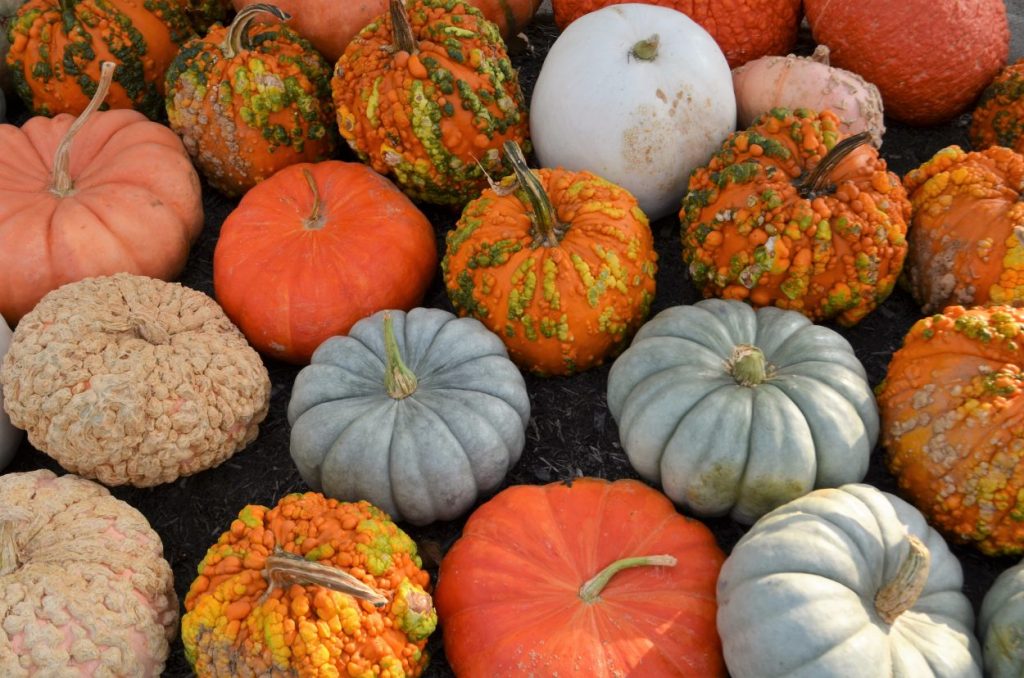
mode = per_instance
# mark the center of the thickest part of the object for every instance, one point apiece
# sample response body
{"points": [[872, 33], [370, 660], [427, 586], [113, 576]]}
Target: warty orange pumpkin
{"points": [[998, 119]]}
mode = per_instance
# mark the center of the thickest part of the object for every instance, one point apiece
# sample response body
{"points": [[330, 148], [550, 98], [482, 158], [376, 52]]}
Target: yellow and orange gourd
{"points": [[780, 218], [346, 595]]}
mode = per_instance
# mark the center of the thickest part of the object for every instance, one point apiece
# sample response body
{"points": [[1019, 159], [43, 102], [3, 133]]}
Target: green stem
{"points": [[405, 41], [315, 221], [747, 365], [61, 183], [900, 594], [284, 569], [547, 231], [591, 591], [646, 50], [399, 380], [238, 39], [816, 182]]}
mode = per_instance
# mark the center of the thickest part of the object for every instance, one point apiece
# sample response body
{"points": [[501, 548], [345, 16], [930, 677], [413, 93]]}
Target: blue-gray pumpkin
{"points": [[1001, 625], [419, 413], [738, 411]]}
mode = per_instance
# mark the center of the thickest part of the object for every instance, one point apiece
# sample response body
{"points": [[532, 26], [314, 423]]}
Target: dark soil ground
{"points": [[571, 432]]}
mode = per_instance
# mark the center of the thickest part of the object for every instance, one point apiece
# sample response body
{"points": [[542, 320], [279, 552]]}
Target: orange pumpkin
{"points": [[929, 58], [561, 269], [588, 578], [951, 405], [998, 119], [787, 215], [326, 245], [107, 192], [967, 233], [744, 29]]}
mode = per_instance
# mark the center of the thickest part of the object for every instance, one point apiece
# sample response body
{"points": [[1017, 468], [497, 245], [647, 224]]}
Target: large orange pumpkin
{"points": [[105, 193], [593, 578], [929, 58], [326, 245], [951, 405]]}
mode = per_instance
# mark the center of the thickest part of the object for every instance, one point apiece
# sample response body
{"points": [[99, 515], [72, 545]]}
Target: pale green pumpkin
{"points": [[1001, 625], [738, 411]]}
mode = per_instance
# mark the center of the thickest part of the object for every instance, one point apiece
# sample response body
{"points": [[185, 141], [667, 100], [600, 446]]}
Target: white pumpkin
{"points": [[1001, 625], [10, 437], [639, 95]]}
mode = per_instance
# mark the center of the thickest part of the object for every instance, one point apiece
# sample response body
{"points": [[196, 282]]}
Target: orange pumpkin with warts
{"points": [[998, 119], [967, 233], [790, 214], [951, 405]]}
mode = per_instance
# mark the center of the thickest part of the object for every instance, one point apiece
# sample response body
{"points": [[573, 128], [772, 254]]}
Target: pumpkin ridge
{"points": [[453, 408]]}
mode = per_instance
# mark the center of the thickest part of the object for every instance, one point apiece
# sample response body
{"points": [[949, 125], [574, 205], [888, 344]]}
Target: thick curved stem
{"points": [[238, 39], [284, 569], [401, 29], [899, 595], [821, 55], [399, 380], [747, 365], [315, 221], [60, 181], [547, 231], [646, 50], [817, 181], [9, 557], [591, 590]]}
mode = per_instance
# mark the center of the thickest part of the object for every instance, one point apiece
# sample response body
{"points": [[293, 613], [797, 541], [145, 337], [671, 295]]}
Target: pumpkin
{"points": [[561, 265], [950, 404], [846, 581], [790, 214], [929, 58], [670, 108], [8, 9], [10, 437], [1000, 625], [967, 233], [104, 193], [429, 96], [58, 46], [738, 411], [808, 82], [330, 25], [311, 587], [84, 587], [310, 238], [998, 118], [3, 107], [127, 379], [744, 30], [420, 413], [595, 577], [205, 13], [250, 100]]}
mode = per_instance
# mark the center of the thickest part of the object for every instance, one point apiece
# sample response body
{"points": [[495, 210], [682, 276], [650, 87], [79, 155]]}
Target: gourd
{"points": [[428, 96], [8, 9], [560, 265], [107, 192], [420, 413], [84, 586], [671, 107], [10, 437], [301, 237], [127, 379], [949, 403], [58, 46], [588, 576], [249, 100], [744, 30], [738, 411], [908, 49], [808, 82], [998, 118], [205, 13], [967, 232], [789, 213], [849, 582], [1000, 628], [310, 587]]}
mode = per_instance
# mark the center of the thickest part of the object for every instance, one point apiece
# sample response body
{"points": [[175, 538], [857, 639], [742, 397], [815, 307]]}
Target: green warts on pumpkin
{"points": [[414, 610], [590, 592], [399, 380], [60, 180]]}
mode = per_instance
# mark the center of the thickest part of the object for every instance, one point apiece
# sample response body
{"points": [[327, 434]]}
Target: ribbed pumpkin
{"points": [[311, 239], [1001, 625], [250, 100], [57, 47], [584, 578], [429, 96], [561, 268], [951, 407], [998, 119], [967, 233], [744, 29], [786, 214]]}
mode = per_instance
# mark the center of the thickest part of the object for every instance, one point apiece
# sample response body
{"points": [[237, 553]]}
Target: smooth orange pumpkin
{"points": [[315, 248], [105, 193], [591, 578]]}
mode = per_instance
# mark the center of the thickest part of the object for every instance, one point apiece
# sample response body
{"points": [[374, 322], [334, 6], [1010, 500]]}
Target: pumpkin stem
{"points": [[61, 183], [747, 365], [547, 231], [238, 39], [405, 41], [816, 182], [591, 591], [900, 594], [821, 54], [646, 50], [315, 221], [399, 380], [284, 569], [9, 517]]}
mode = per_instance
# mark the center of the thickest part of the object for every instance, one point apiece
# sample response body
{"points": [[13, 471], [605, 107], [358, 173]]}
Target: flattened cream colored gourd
{"points": [[128, 379], [84, 587]]}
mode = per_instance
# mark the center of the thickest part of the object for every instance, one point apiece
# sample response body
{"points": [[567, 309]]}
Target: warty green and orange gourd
{"points": [[998, 118]]}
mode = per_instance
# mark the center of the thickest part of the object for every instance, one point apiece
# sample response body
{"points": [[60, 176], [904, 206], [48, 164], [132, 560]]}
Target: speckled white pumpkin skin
{"points": [[1001, 625]]}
